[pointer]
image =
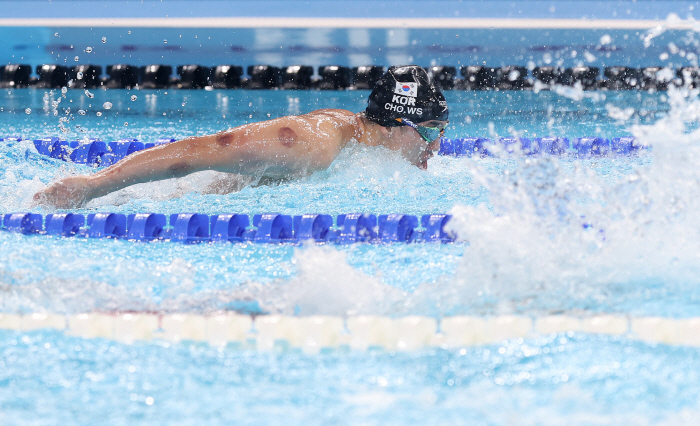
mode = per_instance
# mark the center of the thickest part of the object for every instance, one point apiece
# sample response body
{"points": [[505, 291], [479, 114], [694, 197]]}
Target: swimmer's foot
{"points": [[67, 193]]}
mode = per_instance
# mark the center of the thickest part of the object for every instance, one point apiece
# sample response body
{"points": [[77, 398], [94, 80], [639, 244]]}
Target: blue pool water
{"points": [[525, 251]]}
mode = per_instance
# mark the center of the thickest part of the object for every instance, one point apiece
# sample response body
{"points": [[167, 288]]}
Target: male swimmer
{"points": [[406, 113]]}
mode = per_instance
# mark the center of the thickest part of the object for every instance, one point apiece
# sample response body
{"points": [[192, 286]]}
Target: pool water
{"points": [[524, 249]]}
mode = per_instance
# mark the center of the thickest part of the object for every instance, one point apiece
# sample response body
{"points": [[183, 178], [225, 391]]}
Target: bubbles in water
{"points": [[88, 49], [76, 59], [81, 112], [126, 123], [64, 90], [28, 110], [165, 41], [80, 75], [71, 83], [104, 39], [107, 105], [55, 34], [133, 97], [589, 56], [606, 39], [99, 114], [88, 94]]}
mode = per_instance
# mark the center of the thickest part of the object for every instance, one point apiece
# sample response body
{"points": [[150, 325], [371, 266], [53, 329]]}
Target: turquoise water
{"points": [[524, 250]]}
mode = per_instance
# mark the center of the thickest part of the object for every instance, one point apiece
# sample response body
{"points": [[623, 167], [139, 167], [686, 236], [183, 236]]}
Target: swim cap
{"points": [[406, 92]]}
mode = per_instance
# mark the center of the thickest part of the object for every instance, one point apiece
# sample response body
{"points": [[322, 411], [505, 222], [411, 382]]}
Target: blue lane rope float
{"points": [[268, 228], [97, 153], [580, 146]]}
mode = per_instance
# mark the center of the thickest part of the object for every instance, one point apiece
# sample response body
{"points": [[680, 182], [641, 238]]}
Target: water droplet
{"points": [[80, 75], [28, 110], [81, 111], [77, 59], [88, 49], [99, 114], [133, 97], [107, 105], [88, 94], [70, 83], [55, 34], [64, 90], [55, 113], [165, 41], [104, 39], [129, 31], [126, 123]]}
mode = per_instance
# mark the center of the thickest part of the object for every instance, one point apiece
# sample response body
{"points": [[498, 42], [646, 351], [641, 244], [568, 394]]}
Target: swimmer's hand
{"points": [[67, 193]]}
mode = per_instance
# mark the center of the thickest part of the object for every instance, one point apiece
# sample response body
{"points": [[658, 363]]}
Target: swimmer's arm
{"points": [[280, 148]]}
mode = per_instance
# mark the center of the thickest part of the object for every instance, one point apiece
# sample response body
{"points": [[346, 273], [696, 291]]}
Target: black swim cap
{"points": [[406, 92]]}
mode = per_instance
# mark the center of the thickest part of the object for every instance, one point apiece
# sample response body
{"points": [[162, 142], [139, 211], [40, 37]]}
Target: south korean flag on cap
{"points": [[406, 89]]}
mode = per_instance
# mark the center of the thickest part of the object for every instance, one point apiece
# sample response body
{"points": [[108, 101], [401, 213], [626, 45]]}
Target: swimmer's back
{"points": [[287, 145], [344, 124]]}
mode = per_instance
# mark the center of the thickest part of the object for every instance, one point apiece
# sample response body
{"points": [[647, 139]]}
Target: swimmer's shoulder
{"points": [[348, 122], [340, 118], [338, 114]]}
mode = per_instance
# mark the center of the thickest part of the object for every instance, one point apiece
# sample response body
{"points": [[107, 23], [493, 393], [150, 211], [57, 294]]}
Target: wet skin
{"points": [[282, 148]]}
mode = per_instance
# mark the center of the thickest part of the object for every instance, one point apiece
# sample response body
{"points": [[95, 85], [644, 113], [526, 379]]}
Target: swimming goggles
{"points": [[427, 133]]}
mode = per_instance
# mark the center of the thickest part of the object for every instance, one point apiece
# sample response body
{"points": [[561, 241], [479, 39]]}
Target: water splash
{"points": [[550, 240]]}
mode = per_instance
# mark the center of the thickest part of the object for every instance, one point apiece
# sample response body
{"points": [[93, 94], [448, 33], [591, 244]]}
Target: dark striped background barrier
{"points": [[335, 77]]}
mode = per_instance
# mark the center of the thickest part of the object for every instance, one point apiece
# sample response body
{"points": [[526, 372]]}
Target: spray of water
{"points": [[547, 235]]}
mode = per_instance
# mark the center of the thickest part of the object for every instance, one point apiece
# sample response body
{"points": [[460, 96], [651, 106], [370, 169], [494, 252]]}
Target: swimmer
{"points": [[406, 113]]}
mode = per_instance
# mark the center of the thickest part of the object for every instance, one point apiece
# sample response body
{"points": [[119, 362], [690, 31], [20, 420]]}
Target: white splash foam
{"points": [[550, 235], [576, 92], [325, 285]]}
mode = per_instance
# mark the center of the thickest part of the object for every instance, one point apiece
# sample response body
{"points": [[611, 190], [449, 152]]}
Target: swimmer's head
{"points": [[406, 92]]}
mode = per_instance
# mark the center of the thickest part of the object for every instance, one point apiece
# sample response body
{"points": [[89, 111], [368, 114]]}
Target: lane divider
{"points": [[316, 333], [268, 228], [97, 153], [582, 147]]}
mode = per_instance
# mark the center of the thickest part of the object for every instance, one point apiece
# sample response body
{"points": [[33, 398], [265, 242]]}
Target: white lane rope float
{"points": [[316, 333]]}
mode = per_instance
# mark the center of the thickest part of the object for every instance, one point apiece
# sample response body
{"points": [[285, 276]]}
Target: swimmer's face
{"points": [[414, 147]]}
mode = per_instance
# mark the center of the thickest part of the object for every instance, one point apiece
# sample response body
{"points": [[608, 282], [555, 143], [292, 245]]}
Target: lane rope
{"points": [[316, 333], [98, 153], [268, 228]]}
